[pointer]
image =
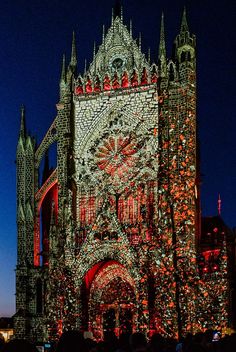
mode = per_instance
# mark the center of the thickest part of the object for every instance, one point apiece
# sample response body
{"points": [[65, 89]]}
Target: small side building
{"points": [[215, 234], [6, 328]]}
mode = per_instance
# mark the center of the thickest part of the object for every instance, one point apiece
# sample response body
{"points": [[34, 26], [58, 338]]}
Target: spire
{"points": [[85, 66], [131, 28], [103, 34], [140, 41], [112, 17], [162, 44], [149, 56], [22, 122], [219, 205], [184, 23], [94, 56], [73, 60], [63, 79], [63, 68], [182, 53], [162, 50], [121, 14], [94, 50]]}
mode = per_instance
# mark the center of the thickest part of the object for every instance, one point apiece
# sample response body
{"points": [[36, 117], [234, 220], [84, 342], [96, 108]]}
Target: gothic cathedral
{"points": [[108, 240]]}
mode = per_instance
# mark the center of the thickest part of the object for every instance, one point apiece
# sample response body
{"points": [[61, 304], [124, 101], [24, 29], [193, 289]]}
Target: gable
{"points": [[119, 52]]}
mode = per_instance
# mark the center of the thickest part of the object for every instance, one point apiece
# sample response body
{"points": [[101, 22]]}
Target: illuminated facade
{"points": [[109, 240]]}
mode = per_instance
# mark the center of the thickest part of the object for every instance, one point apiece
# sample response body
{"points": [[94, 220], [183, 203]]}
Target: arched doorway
{"points": [[111, 299]]}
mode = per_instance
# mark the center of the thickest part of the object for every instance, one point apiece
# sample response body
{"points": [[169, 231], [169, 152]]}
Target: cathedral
{"points": [[110, 239]]}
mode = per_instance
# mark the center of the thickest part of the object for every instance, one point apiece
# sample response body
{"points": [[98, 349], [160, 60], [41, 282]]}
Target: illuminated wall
{"points": [[122, 235]]}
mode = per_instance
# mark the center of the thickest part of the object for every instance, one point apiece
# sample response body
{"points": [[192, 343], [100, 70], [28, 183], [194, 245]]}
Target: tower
{"points": [[112, 231]]}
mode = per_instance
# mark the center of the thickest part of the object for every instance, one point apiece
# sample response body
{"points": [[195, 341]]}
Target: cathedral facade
{"points": [[109, 239]]}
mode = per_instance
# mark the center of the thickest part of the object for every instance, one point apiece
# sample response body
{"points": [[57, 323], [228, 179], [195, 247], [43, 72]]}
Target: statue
{"points": [[134, 79], [144, 79], [88, 86], [79, 88], [154, 77], [115, 82], [125, 80], [97, 85], [106, 83]]}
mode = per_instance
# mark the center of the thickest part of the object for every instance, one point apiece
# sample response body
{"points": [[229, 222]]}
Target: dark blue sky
{"points": [[33, 37]]}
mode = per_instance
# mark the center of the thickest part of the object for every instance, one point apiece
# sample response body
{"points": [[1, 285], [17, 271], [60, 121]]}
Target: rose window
{"points": [[116, 155]]}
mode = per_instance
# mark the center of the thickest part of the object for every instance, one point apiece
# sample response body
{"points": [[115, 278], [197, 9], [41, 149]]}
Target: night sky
{"points": [[33, 37]]}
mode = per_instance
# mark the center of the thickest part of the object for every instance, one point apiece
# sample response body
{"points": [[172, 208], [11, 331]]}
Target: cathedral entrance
{"points": [[111, 300], [117, 318]]}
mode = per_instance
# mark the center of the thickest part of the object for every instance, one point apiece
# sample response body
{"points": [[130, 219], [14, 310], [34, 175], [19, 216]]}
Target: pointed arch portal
{"points": [[109, 299]]}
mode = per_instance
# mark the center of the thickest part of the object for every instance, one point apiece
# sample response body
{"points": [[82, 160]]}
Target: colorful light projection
{"points": [[112, 288], [191, 298], [116, 156], [85, 85], [166, 253], [48, 193]]}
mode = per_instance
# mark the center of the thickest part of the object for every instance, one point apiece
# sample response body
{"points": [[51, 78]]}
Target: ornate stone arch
{"points": [[92, 253], [39, 198], [101, 280], [112, 277]]}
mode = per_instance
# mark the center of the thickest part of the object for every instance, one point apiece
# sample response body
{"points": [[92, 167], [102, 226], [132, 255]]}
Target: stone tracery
{"points": [[127, 179]]}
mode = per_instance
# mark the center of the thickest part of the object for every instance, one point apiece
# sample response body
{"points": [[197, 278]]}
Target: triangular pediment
{"points": [[29, 212], [106, 226], [29, 144], [20, 145], [20, 213], [118, 52]]}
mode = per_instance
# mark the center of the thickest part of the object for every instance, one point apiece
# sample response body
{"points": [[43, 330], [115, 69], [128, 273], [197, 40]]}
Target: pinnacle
{"points": [[22, 123], [162, 45], [140, 41], [73, 60], [63, 68], [184, 23]]}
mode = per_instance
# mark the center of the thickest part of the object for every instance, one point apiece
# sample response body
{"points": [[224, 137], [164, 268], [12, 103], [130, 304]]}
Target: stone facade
{"points": [[109, 240]]}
